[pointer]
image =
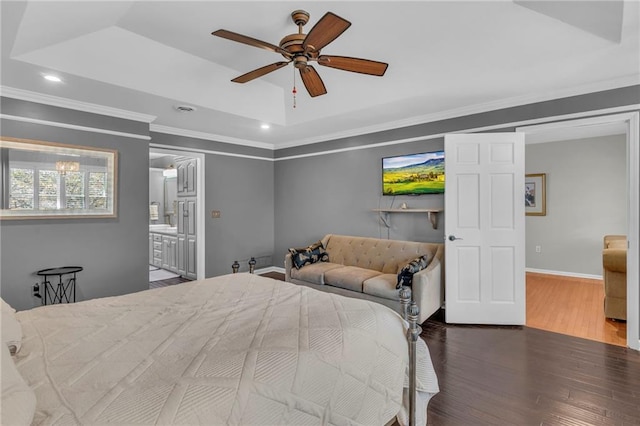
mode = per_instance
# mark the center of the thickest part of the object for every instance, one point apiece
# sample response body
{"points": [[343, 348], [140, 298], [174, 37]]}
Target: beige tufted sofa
{"points": [[367, 268]]}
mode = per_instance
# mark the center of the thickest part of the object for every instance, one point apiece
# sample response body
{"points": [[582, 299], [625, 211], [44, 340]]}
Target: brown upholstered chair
{"points": [[614, 263]]}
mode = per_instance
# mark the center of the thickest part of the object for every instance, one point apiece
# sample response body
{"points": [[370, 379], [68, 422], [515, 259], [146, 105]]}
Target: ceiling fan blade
{"points": [[229, 35], [259, 72], [312, 81], [327, 29], [363, 66]]}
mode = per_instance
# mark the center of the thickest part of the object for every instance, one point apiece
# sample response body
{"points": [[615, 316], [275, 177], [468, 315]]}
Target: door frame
{"points": [[200, 191], [631, 120]]}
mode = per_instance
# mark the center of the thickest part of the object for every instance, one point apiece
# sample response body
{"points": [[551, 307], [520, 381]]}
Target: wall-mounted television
{"points": [[413, 174]]}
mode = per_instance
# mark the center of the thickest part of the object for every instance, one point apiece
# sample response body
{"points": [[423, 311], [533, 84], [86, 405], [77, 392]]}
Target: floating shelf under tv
{"points": [[432, 215]]}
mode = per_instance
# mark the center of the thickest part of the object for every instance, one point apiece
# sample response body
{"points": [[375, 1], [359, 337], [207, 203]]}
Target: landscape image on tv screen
{"points": [[413, 174]]}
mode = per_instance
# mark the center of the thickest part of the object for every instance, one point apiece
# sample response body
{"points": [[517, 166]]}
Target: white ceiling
{"points": [[445, 58]]}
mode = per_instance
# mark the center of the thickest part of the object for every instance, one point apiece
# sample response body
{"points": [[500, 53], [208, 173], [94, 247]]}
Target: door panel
{"points": [[484, 229]]}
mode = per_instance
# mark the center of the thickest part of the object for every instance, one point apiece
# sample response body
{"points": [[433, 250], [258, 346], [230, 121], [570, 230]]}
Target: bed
{"points": [[238, 349]]}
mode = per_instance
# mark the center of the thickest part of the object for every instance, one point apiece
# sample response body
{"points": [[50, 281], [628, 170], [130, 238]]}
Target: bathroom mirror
{"points": [[46, 180], [170, 200]]}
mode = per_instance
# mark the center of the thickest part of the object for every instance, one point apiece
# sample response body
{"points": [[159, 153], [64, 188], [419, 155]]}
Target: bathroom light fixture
{"points": [[67, 166], [53, 78], [265, 126], [170, 172]]}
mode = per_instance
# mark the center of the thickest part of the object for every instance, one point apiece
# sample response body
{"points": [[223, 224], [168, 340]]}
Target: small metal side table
{"points": [[59, 292]]}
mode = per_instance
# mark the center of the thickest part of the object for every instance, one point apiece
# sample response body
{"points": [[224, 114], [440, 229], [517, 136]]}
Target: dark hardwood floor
{"points": [[525, 376], [168, 282]]}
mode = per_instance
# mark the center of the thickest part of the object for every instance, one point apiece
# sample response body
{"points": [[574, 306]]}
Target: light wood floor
{"points": [[572, 306]]}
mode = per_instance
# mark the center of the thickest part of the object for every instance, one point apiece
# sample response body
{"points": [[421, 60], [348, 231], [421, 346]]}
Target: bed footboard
{"points": [[410, 313]]}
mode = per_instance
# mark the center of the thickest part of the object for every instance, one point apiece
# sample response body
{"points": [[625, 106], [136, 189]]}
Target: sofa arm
{"points": [[288, 264], [427, 289], [614, 259]]}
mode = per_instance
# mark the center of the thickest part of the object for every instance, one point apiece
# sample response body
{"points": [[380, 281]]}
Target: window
{"points": [[33, 188], [43, 179]]}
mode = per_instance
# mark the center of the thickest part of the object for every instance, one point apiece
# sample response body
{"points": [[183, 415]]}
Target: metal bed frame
{"points": [[410, 313]]}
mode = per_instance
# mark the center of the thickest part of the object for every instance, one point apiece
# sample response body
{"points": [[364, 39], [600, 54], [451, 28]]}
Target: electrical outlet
{"points": [[215, 214], [538, 249], [36, 290]]}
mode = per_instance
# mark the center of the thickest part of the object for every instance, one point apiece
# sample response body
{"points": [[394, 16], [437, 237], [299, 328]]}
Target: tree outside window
{"points": [[97, 190], [48, 189], [21, 196], [74, 190]]}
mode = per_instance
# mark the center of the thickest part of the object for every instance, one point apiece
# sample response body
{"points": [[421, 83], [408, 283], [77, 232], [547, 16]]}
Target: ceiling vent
{"points": [[184, 108]]}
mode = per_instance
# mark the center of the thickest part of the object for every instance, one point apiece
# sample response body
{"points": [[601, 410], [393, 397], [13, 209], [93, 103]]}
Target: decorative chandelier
{"points": [[67, 166]]}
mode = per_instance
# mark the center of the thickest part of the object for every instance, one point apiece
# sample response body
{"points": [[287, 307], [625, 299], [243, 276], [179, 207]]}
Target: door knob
{"points": [[453, 238]]}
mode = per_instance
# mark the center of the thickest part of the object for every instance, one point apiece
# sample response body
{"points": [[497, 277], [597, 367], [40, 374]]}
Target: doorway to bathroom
{"points": [[176, 250]]}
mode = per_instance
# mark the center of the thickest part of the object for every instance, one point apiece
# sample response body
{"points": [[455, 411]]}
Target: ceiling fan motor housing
{"points": [[300, 17], [293, 43]]}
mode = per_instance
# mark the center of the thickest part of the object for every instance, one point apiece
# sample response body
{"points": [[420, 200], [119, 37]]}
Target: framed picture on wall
{"points": [[535, 194]]}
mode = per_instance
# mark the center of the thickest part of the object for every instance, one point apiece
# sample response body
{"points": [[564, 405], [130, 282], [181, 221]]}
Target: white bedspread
{"points": [[238, 349]]}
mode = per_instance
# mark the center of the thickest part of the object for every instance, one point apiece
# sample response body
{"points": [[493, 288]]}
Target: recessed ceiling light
{"points": [[185, 108], [265, 126], [53, 78]]}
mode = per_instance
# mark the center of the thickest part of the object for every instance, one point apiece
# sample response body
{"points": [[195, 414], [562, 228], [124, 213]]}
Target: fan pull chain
{"points": [[294, 91]]}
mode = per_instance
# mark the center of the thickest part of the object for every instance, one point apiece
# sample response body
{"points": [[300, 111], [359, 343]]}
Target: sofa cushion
{"points": [[615, 259], [308, 255], [349, 277], [382, 286], [314, 273], [385, 256], [405, 276]]}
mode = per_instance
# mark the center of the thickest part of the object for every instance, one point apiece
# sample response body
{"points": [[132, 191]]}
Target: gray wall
{"points": [[113, 252], [335, 193], [586, 199], [242, 190]]}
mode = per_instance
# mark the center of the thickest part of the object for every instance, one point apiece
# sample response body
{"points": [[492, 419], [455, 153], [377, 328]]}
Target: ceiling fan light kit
{"points": [[301, 49]]}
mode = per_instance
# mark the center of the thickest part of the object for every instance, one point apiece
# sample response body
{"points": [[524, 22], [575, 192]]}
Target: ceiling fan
{"points": [[303, 48]]}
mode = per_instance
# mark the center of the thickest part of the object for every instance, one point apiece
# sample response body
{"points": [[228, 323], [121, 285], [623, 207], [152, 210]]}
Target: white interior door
{"points": [[484, 229]]}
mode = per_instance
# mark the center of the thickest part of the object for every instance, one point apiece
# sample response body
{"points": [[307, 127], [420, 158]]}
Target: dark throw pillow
{"points": [[405, 277], [308, 255]]}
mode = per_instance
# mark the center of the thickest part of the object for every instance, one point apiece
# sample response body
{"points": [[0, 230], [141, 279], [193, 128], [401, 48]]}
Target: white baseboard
{"points": [[269, 269], [564, 273]]}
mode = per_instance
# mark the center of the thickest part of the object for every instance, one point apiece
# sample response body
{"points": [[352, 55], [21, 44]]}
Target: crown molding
{"points": [[72, 126], [523, 125], [473, 109], [209, 136], [184, 149], [41, 98], [411, 121]]}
